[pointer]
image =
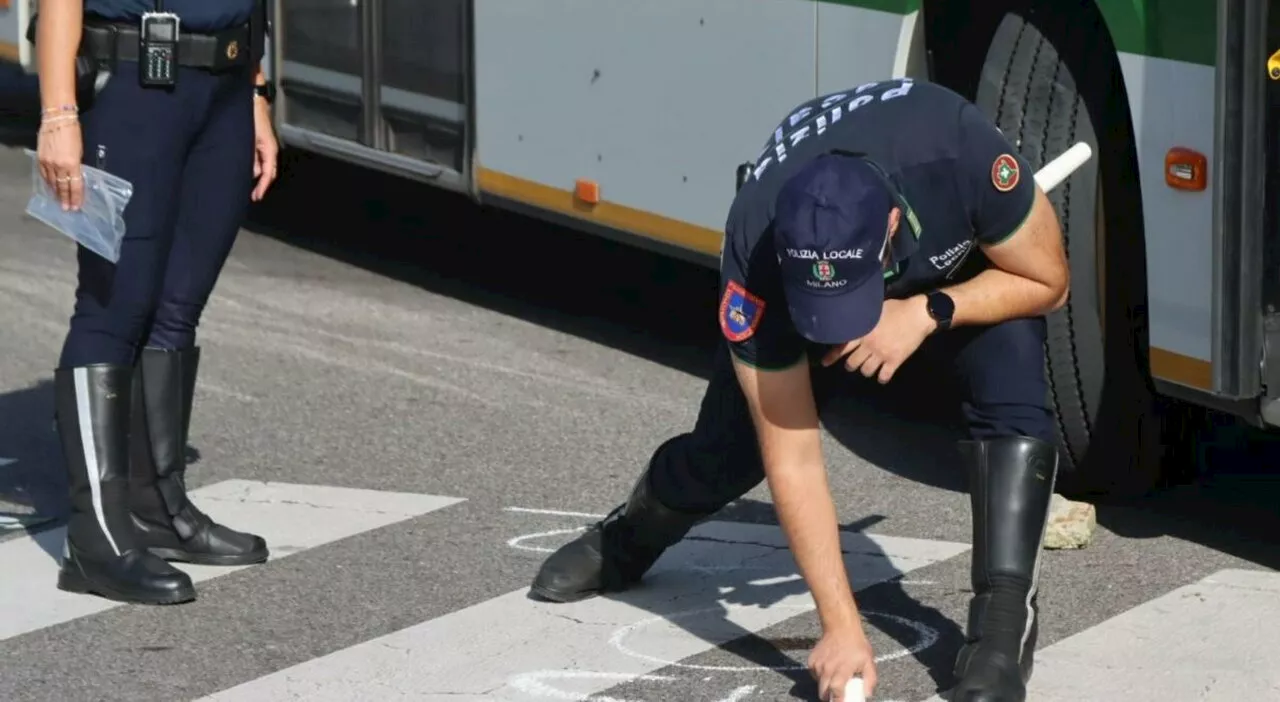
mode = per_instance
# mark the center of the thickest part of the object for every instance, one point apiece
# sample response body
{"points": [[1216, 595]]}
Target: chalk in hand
{"points": [[853, 690]]}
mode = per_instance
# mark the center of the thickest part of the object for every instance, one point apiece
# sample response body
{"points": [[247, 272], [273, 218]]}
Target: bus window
{"points": [[322, 68], [423, 78]]}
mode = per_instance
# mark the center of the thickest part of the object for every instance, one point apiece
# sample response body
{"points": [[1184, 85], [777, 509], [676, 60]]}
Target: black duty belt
{"points": [[215, 51]]}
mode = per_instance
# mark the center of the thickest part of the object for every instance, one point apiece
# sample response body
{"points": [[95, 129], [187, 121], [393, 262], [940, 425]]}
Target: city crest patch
{"points": [[1004, 173], [740, 312]]}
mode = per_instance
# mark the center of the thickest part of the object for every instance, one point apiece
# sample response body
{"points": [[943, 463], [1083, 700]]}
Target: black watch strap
{"points": [[266, 91]]}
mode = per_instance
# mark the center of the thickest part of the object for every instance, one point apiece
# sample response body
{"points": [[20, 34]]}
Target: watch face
{"points": [[941, 307]]}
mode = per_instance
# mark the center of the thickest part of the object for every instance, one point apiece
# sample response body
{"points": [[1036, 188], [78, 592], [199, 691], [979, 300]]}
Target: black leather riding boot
{"points": [[102, 554], [168, 524], [1011, 482], [615, 552]]}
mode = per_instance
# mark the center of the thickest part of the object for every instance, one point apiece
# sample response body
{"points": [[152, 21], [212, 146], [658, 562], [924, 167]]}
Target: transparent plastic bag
{"points": [[99, 223]]}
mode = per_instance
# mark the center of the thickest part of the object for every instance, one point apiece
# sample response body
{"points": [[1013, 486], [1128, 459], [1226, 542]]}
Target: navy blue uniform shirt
{"points": [[193, 15], [962, 181]]}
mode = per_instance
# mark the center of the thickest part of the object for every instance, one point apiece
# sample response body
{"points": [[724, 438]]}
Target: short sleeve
{"points": [[996, 182], [752, 313]]}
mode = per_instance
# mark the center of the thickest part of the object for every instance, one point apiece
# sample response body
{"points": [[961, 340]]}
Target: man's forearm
{"points": [[995, 296], [808, 517]]}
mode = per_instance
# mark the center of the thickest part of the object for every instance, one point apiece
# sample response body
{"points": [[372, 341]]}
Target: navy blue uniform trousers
{"points": [[189, 154], [1001, 369]]}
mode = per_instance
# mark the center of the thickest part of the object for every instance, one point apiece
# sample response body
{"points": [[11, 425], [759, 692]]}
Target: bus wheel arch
{"points": [[1049, 76]]}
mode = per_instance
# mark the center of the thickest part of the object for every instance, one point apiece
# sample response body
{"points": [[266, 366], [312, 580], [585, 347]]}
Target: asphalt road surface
{"points": [[416, 399]]}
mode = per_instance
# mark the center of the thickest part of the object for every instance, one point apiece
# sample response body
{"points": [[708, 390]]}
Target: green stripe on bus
{"points": [[1179, 30], [900, 7]]}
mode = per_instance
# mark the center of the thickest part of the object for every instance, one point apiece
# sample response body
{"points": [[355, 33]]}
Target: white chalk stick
{"points": [[1057, 170], [853, 690]]}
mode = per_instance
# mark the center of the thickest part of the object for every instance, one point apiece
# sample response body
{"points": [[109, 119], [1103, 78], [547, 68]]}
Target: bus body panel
{"points": [[543, 123], [14, 48], [1167, 52], [1172, 104], [656, 104]]}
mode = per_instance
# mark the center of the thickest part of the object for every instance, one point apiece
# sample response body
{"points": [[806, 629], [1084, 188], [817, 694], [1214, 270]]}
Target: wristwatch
{"points": [[941, 307], [266, 91]]}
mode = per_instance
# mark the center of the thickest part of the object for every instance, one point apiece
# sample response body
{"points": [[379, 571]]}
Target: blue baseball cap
{"points": [[831, 221]]}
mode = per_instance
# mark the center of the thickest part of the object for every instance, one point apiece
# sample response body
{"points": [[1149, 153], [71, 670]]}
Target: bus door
{"points": [[380, 83], [1268, 76]]}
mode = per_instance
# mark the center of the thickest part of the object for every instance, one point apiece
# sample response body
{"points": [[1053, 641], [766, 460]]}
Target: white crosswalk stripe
{"points": [[527, 646], [292, 518], [1206, 641], [1214, 639]]}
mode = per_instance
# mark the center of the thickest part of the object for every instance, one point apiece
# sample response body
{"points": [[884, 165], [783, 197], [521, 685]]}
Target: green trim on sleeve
{"points": [[1016, 229]]}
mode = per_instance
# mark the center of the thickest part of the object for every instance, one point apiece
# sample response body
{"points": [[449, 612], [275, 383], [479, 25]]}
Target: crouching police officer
{"points": [[876, 221], [175, 112]]}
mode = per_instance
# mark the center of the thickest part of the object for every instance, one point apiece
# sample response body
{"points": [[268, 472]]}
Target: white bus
{"points": [[628, 118]]}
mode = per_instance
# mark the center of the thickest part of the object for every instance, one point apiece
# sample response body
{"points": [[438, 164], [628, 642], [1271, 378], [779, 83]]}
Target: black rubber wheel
{"points": [[1106, 425]]}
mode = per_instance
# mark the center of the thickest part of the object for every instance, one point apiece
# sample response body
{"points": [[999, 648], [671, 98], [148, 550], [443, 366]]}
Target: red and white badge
{"points": [[1005, 173]]}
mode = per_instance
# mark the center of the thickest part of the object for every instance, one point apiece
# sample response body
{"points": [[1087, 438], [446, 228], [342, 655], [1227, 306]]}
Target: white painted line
{"points": [[1215, 639], [662, 627], [555, 512], [739, 694], [515, 648], [538, 685], [292, 518], [522, 543], [519, 541], [7, 461]]}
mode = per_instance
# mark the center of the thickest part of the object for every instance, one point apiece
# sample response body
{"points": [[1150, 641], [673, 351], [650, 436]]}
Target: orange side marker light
{"points": [[1185, 169], [587, 191]]}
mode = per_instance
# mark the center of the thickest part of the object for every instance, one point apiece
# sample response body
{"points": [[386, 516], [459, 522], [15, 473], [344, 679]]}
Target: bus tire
{"points": [[1099, 391]]}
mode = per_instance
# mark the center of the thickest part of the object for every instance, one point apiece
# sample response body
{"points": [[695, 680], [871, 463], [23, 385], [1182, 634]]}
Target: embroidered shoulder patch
{"points": [[1004, 173], [740, 312]]}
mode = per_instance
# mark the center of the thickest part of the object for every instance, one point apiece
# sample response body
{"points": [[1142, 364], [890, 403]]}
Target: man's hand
{"points": [[903, 326], [265, 148], [840, 655]]}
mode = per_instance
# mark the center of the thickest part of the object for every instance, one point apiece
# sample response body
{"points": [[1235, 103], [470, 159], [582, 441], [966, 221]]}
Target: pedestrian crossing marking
{"points": [[291, 517], [515, 648], [1214, 639]]}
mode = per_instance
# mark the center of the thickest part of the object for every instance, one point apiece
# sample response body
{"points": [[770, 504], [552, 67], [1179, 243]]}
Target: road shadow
{"points": [[889, 596], [33, 479], [662, 309], [1231, 506], [645, 304], [717, 581], [33, 487]]}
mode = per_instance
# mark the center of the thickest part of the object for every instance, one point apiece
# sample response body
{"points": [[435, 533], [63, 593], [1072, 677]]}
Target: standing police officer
{"points": [[874, 220], [182, 114]]}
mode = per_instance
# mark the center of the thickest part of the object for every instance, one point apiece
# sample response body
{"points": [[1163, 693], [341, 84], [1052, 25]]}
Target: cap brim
{"points": [[839, 318]]}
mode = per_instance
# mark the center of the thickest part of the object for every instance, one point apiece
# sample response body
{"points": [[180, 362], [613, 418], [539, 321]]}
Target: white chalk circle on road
{"points": [[662, 628]]}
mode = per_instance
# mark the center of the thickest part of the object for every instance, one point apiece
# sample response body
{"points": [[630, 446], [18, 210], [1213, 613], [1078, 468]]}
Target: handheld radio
{"points": [[158, 48]]}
